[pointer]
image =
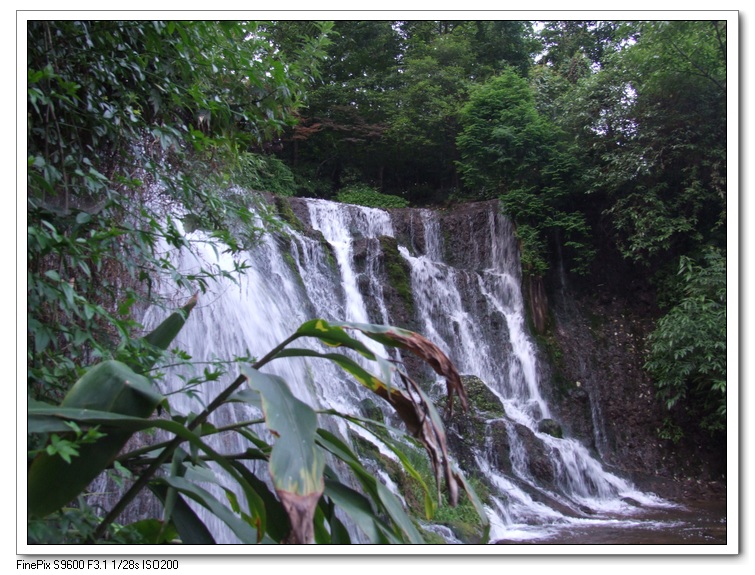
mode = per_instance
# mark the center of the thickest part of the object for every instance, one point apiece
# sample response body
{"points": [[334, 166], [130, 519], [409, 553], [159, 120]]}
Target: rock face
{"points": [[604, 397], [591, 340]]}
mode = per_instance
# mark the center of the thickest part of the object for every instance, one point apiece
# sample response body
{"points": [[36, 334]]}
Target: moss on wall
{"points": [[398, 272]]}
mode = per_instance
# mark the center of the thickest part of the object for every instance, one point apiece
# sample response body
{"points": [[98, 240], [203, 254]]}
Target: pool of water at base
{"points": [[695, 523]]}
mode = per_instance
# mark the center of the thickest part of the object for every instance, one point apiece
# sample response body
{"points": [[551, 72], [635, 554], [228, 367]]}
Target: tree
{"points": [[509, 149], [687, 357], [131, 125], [386, 117], [338, 137], [654, 121]]}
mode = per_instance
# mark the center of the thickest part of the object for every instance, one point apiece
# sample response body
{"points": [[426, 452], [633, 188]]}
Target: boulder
{"points": [[551, 427]]}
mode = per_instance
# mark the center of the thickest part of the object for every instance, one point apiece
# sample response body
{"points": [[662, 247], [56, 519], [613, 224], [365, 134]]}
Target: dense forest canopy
{"points": [[606, 143]]}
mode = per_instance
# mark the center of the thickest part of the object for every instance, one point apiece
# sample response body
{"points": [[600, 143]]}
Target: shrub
{"points": [[363, 195]]}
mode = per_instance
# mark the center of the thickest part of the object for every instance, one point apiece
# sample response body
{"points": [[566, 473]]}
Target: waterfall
{"points": [[467, 301]]}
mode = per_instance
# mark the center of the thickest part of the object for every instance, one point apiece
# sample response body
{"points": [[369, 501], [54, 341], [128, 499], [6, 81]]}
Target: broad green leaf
{"points": [[356, 506], [276, 524], [110, 387], [164, 334], [113, 386], [240, 527], [296, 462], [41, 416], [333, 335], [335, 532], [360, 374], [150, 531]]}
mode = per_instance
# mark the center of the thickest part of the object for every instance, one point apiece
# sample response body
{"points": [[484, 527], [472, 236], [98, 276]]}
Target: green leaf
{"points": [[150, 531], [110, 387], [275, 523], [296, 462], [240, 527], [333, 336], [479, 507], [356, 506], [164, 334], [389, 503], [422, 348]]}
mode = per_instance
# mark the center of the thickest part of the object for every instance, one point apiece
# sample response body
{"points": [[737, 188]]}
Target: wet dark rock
{"points": [[500, 447], [359, 249], [603, 396], [551, 427], [299, 209], [467, 431], [538, 460]]}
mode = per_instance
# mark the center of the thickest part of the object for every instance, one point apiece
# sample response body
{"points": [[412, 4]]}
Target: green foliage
{"points": [[687, 356], [532, 248], [363, 195], [651, 124], [389, 105], [509, 148], [130, 123], [264, 173], [110, 386], [66, 448], [503, 138], [462, 519], [670, 431]]}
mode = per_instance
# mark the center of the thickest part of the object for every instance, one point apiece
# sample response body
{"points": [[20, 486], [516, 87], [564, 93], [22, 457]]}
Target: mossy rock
{"points": [[469, 533], [551, 427], [286, 213], [398, 271], [364, 448], [481, 398], [370, 410], [432, 538], [470, 429]]}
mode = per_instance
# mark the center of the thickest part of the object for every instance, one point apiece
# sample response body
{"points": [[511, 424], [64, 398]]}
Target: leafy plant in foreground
{"points": [[301, 507]]}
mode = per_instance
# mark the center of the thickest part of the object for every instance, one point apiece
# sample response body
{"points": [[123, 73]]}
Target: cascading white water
{"points": [[474, 312]]}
